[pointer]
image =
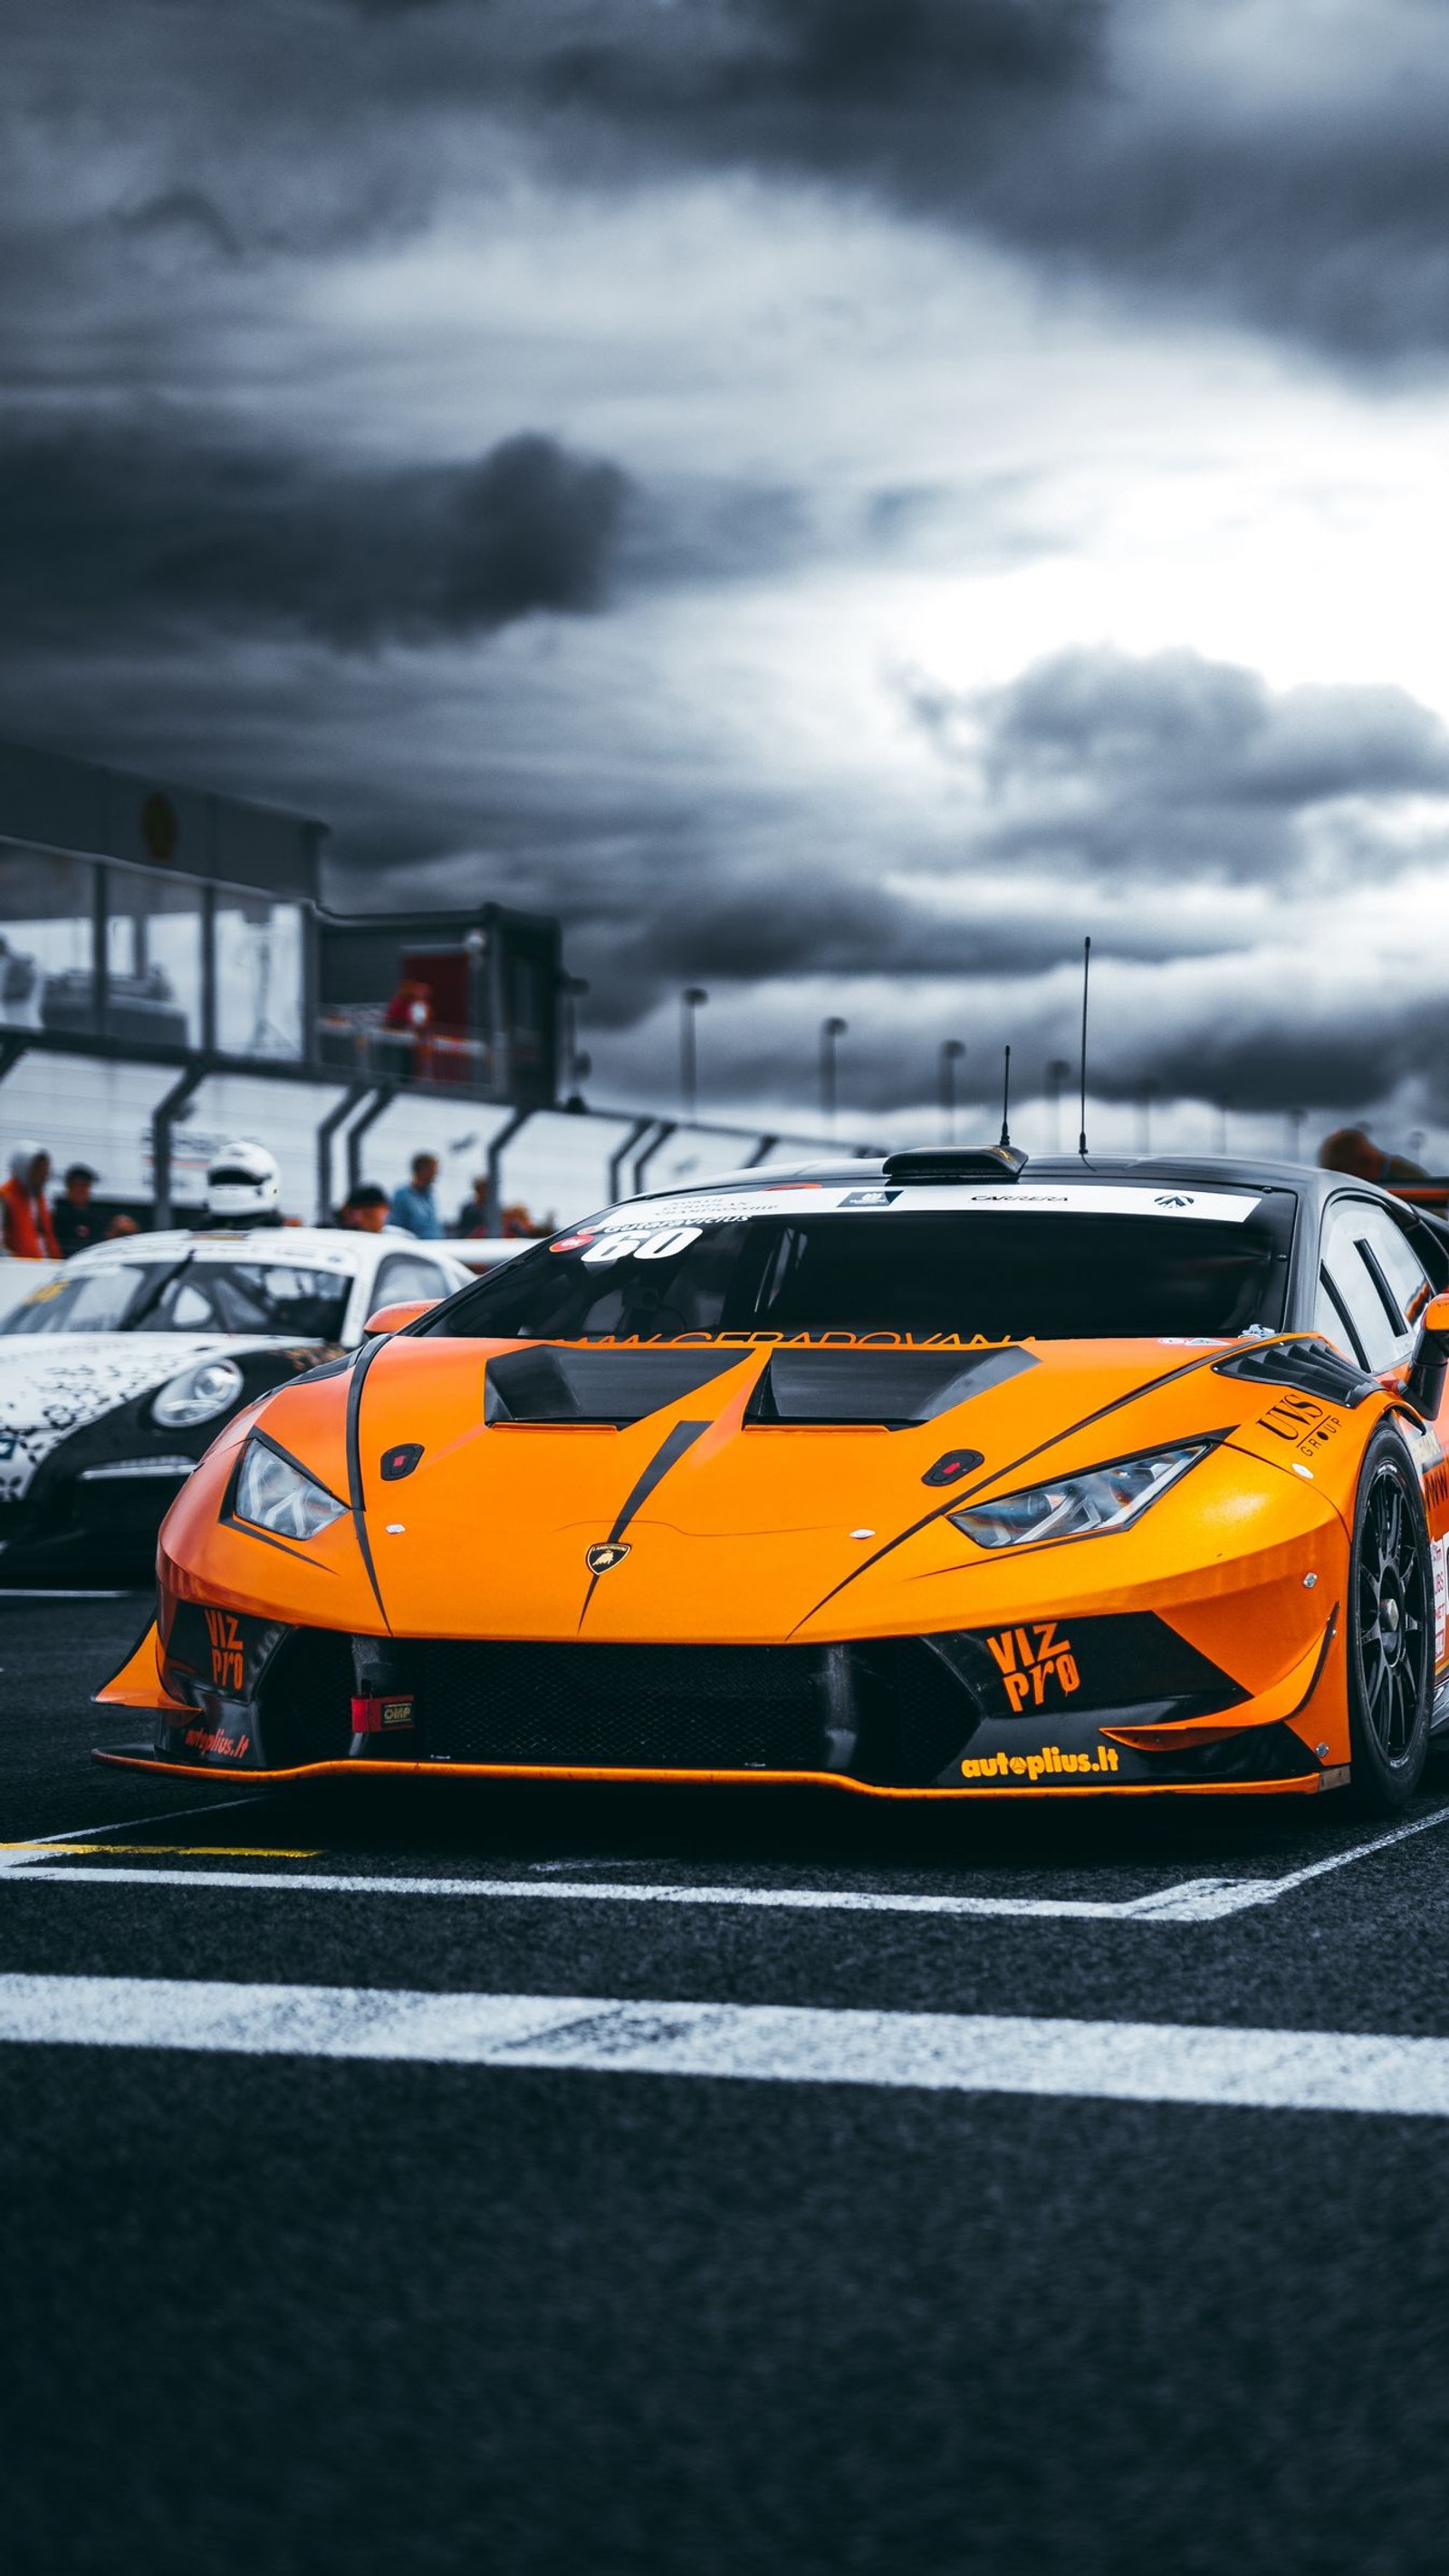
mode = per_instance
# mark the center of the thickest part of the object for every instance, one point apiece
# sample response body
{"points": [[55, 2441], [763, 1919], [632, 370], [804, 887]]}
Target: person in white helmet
{"points": [[243, 1186]]}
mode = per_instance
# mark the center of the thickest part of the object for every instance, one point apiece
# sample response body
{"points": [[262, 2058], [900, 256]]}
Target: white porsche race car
{"points": [[117, 1373]]}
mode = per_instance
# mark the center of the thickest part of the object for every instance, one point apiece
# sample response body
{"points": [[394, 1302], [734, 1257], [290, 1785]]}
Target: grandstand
{"points": [[170, 976]]}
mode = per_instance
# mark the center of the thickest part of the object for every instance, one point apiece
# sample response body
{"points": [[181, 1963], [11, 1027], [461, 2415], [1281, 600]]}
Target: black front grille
{"points": [[677, 1708]]}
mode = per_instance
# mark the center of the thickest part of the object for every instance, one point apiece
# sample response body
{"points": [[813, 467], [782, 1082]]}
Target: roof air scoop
{"points": [[956, 1163]]}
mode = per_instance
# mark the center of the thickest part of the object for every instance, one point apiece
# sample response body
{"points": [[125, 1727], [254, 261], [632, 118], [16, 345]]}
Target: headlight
{"points": [[197, 1394], [276, 1496], [1104, 1498]]}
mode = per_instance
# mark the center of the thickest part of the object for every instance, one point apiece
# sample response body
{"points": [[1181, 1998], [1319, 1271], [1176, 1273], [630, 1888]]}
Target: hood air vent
{"points": [[888, 1388], [549, 1383]]}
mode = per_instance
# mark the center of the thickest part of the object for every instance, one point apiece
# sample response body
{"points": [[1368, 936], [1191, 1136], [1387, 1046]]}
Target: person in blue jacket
{"points": [[414, 1206]]}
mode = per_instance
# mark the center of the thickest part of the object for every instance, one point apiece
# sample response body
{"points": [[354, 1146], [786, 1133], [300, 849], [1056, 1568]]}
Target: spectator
{"points": [[515, 1220], [29, 1234], [1348, 1149], [364, 1210], [414, 1208], [76, 1222], [121, 1224], [472, 1225]]}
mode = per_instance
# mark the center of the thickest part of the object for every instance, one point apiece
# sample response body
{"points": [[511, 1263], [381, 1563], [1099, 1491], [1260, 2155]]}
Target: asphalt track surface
{"points": [[649, 2182]]}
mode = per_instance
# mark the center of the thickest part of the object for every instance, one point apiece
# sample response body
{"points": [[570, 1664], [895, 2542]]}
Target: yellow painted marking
{"points": [[182, 1851]]}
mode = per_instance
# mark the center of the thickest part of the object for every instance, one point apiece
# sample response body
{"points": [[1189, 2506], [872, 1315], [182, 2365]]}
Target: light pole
{"points": [[1296, 1119], [952, 1051], [689, 1002], [830, 1030], [1223, 1126], [572, 990], [1057, 1072], [1146, 1094]]}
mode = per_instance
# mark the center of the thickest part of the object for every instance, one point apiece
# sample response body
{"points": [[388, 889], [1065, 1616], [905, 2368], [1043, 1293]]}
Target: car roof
{"points": [[333, 1246], [1196, 1171]]}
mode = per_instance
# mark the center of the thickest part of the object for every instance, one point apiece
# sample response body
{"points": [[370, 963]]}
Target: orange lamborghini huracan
{"points": [[944, 1476]]}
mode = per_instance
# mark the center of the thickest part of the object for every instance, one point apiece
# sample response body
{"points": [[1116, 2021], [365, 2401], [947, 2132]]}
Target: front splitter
{"points": [[129, 1757]]}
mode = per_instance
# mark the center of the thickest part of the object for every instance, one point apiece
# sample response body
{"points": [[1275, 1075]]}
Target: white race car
{"points": [[117, 1373]]}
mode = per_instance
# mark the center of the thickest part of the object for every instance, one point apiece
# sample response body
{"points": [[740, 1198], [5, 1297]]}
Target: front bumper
{"points": [[1123, 1706]]}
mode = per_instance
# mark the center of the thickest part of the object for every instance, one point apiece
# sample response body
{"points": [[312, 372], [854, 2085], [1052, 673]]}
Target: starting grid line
{"points": [[938, 2053], [1197, 1900]]}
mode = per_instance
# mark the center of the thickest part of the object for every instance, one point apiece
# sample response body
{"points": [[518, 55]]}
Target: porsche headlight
{"points": [[197, 1394], [275, 1495], [1101, 1499]]}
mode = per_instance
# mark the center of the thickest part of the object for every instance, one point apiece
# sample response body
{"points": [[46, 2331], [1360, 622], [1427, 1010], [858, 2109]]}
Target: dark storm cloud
{"points": [[155, 525], [1169, 764], [1288, 172], [1284, 165]]}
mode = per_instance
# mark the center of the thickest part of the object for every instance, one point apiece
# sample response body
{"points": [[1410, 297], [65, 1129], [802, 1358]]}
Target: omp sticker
{"points": [[1438, 1551], [1030, 1657], [1039, 1766]]}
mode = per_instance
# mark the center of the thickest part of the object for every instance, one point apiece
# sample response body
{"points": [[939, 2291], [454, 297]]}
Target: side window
{"points": [[1360, 1307], [404, 1277], [1390, 1252]]}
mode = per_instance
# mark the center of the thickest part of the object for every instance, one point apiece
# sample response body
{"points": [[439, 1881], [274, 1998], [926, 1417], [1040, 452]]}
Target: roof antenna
{"points": [[1086, 972], [1005, 1138]]}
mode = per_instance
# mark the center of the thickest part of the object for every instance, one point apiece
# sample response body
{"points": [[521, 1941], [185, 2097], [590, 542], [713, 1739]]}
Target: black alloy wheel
{"points": [[1390, 1631]]}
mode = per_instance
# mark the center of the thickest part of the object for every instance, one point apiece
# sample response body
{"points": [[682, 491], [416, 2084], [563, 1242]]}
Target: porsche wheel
{"points": [[1390, 1632]]}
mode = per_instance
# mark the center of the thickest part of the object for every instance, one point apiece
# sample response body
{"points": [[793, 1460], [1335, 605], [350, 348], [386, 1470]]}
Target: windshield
{"points": [[189, 1297], [1067, 1276]]}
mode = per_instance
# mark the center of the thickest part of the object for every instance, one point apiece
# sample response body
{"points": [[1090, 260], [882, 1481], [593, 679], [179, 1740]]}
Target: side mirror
{"points": [[1425, 1384], [391, 1319]]}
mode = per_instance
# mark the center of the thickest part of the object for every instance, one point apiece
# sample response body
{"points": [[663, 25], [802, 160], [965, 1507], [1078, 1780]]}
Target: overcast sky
{"points": [[837, 498]]}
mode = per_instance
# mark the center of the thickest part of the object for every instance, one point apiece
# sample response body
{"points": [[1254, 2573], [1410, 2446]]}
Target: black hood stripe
{"points": [[668, 1454], [355, 1492]]}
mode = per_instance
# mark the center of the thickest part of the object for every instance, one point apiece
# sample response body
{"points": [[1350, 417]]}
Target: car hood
{"points": [[750, 1496], [52, 1384]]}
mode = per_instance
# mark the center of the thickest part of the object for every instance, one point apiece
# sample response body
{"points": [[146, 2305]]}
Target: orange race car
{"points": [[943, 1476]]}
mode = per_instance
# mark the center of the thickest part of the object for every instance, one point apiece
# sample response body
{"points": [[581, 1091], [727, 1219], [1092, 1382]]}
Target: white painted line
{"points": [[54, 1592], [1196, 1901], [91, 1833], [1193, 1900], [1290, 2070], [1358, 1851]]}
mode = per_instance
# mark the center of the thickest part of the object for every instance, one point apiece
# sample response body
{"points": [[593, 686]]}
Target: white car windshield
{"points": [[189, 1296]]}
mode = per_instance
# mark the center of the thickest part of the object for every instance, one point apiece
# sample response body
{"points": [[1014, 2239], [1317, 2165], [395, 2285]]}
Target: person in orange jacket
{"points": [[29, 1234], [1348, 1149]]}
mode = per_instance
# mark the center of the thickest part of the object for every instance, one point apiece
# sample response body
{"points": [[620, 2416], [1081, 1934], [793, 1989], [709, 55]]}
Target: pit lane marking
{"points": [[1203, 1898], [180, 1851], [15, 1855], [1194, 1900], [1161, 2062], [53, 1592]]}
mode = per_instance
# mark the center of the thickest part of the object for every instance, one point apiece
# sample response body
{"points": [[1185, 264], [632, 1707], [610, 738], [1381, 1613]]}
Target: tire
{"points": [[1390, 1641]]}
